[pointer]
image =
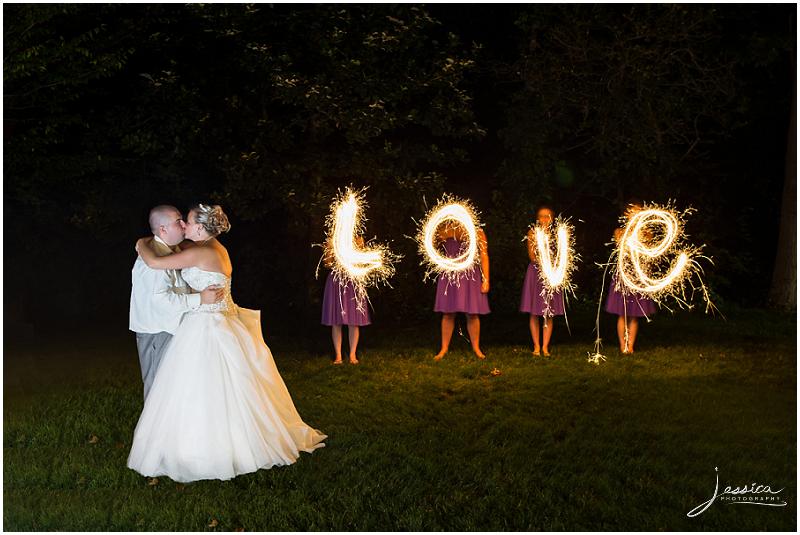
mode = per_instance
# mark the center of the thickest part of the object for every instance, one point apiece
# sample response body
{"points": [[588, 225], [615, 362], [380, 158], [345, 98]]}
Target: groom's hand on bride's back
{"points": [[212, 294]]}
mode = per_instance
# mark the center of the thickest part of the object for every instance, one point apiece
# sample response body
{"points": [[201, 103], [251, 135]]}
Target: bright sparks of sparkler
{"points": [[452, 213], [647, 237], [362, 264], [596, 358], [654, 260], [556, 274]]}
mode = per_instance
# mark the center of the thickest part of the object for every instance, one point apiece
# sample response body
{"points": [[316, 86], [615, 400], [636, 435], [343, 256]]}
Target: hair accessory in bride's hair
{"points": [[212, 218]]}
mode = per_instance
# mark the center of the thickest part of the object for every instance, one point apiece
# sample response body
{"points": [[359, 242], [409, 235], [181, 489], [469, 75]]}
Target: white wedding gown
{"points": [[218, 406]]}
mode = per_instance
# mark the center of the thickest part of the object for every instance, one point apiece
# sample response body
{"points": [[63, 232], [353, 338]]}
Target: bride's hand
{"points": [[140, 243], [212, 294]]}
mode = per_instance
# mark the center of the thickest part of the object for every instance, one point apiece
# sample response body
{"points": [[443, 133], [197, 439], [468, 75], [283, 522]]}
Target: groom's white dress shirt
{"points": [[159, 297]]}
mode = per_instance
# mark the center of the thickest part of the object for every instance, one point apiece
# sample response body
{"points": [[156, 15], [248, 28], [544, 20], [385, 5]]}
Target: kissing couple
{"points": [[215, 405]]}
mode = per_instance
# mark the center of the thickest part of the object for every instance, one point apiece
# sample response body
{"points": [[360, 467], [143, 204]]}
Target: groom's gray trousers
{"points": [[151, 348]]}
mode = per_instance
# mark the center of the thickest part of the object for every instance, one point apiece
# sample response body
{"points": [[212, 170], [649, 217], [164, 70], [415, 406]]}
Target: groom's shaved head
{"points": [[162, 214]]}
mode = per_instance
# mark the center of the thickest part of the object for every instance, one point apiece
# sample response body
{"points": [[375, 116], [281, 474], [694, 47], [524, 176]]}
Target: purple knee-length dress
{"points": [[339, 305], [464, 293], [631, 305], [532, 301]]}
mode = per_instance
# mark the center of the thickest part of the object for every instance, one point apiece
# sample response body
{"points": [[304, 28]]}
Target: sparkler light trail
{"points": [[450, 212], [555, 275], [649, 235], [654, 260], [363, 265]]}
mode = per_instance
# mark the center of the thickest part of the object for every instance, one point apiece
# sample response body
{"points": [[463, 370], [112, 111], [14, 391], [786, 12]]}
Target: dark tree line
{"points": [[268, 110]]}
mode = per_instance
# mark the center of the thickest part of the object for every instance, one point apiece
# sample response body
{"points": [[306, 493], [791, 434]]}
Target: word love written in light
{"points": [[650, 238]]}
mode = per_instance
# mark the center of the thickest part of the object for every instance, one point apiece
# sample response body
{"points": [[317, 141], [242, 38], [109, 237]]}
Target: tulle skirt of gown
{"points": [[218, 406]]}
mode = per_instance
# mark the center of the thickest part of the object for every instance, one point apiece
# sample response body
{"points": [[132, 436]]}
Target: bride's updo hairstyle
{"points": [[213, 219]]}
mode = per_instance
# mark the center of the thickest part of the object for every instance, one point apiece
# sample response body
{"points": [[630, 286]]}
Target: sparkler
{"points": [[450, 211], [362, 265]]}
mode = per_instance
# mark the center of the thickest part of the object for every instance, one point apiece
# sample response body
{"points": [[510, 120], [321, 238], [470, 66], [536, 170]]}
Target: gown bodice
{"points": [[200, 279]]}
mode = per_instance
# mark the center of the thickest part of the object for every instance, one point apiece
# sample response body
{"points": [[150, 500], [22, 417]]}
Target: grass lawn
{"points": [[550, 444]]}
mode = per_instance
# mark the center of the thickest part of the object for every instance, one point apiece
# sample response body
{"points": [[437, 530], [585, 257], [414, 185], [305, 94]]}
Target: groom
{"points": [[160, 297]]}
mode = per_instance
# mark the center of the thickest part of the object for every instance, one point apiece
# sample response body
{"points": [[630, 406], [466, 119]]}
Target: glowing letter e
{"points": [[633, 250]]}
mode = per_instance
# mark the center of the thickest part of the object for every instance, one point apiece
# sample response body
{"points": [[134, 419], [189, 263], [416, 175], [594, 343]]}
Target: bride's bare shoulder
{"points": [[219, 258]]}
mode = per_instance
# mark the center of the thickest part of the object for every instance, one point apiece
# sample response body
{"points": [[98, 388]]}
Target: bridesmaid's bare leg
{"points": [[448, 324], [336, 336], [534, 324], [474, 330], [547, 332], [353, 332], [633, 328], [621, 333]]}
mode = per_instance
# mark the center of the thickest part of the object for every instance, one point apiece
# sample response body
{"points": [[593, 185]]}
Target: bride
{"points": [[218, 406]]}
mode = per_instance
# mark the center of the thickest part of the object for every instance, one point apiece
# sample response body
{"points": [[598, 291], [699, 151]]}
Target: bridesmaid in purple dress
{"points": [[340, 307], [532, 301], [467, 294], [629, 306]]}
